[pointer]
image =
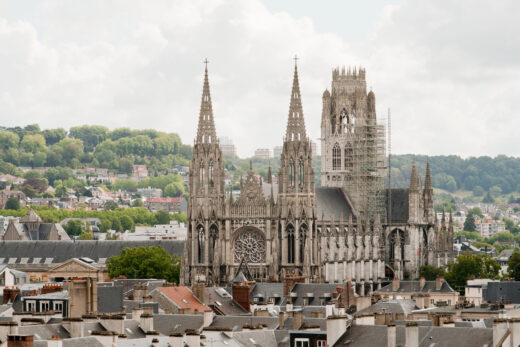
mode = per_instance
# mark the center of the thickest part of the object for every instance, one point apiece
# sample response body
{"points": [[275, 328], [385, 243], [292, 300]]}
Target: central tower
{"points": [[296, 200]]}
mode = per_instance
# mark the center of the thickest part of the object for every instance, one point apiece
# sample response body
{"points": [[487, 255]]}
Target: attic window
{"points": [[218, 302], [36, 260], [12, 260], [185, 301]]}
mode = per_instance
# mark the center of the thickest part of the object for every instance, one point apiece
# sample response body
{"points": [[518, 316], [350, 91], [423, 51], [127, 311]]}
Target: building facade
{"points": [[338, 231]]}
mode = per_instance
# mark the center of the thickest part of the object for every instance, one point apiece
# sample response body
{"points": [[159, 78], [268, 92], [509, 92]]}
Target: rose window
{"points": [[250, 246]]}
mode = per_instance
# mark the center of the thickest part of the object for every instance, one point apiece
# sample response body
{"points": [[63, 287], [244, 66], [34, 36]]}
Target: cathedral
{"points": [[350, 227]]}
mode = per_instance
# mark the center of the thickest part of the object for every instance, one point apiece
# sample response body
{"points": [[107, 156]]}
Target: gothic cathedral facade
{"points": [[349, 227]]}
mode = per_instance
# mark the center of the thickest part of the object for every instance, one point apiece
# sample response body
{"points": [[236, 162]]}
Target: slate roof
{"points": [[414, 287], [266, 291], [110, 299], [390, 306], [238, 322], [222, 301], [312, 291], [44, 332], [254, 338], [330, 202], [89, 341], [400, 204], [376, 335], [37, 252], [177, 323]]}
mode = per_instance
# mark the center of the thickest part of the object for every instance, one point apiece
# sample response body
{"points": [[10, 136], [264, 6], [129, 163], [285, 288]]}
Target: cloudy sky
{"points": [[449, 70]]}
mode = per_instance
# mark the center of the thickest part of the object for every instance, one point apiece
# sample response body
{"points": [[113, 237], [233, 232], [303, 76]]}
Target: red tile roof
{"points": [[183, 297]]}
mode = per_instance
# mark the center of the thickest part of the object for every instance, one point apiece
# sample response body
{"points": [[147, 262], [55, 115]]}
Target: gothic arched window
{"points": [[201, 173], [344, 120], [300, 172], [336, 157], [303, 237], [290, 243], [349, 160], [333, 124], [200, 243], [213, 237], [291, 173], [210, 173]]}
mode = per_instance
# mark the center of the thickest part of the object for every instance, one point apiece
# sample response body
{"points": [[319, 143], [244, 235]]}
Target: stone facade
{"points": [[292, 228]]}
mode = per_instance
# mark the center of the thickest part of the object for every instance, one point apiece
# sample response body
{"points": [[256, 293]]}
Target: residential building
{"points": [[227, 146], [488, 227], [172, 231], [474, 291], [263, 153], [139, 172], [150, 192], [277, 151], [173, 205]]}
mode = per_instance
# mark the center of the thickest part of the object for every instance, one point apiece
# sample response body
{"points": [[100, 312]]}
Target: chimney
{"points": [[176, 340], [147, 298], [20, 341], [281, 319], [55, 342], [391, 335], [329, 309], [289, 306], [242, 294], [412, 334], [438, 282], [114, 323], [514, 327], [193, 338], [448, 323], [8, 328], [140, 290], [146, 322], [75, 326], [336, 327], [422, 282], [208, 317], [396, 283], [297, 319], [137, 312], [199, 289], [419, 301], [501, 332]]}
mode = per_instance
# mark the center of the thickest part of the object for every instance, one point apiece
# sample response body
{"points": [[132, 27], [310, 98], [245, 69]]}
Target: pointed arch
{"points": [[289, 229], [333, 124], [201, 173], [213, 237], [291, 172], [210, 173], [349, 160], [336, 157], [200, 243], [303, 238], [344, 121], [300, 172]]}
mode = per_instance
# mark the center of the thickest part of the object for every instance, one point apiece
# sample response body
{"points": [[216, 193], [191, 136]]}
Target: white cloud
{"points": [[449, 73]]}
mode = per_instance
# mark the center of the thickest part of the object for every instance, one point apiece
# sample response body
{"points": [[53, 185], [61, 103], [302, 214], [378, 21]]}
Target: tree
{"points": [[513, 265], [469, 266], [138, 203], [87, 235], [12, 204], [90, 135], [476, 211], [8, 140], [116, 224], [162, 217], [478, 191], [469, 223], [511, 225], [105, 225], [53, 136], [174, 189], [144, 262], [33, 143], [74, 227], [111, 205], [127, 223], [430, 272], [488, 199]]}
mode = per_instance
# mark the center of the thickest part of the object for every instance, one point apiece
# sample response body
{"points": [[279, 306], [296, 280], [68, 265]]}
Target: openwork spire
{"points": [[206, 131], [295, 123], [428, 179]]}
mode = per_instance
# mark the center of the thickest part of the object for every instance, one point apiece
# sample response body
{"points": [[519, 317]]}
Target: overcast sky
{"points": [[449, 70]]}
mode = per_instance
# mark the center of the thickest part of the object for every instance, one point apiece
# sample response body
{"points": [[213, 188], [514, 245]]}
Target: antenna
{"points": [[389, 129]]}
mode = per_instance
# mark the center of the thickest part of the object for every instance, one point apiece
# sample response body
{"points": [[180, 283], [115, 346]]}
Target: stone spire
{"points": [[206, 131], [295, 123], [413, 179], [428, 179], [269, 174]]}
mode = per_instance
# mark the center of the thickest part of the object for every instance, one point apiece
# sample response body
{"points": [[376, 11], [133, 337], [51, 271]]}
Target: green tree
{"points": [[90, 135], [430, 272], [511, 225], [53, 136], [488, 199], [470, 266], [478, 191], [138, 203], [60, 190], [513, 265], [116, 224], [74, 227], [111, 205], [8, 140], [145, 262], [69, 149], [12, 204], [174, 189], [162, 217], [476, 211], [33, 143], [127, 223], [105, 225], [86, 235], [469, 223]]}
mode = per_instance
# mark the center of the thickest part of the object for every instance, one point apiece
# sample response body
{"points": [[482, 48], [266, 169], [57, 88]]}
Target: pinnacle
{"points": [[295, 123], [413, 178], [206, 132], [428, 179]]}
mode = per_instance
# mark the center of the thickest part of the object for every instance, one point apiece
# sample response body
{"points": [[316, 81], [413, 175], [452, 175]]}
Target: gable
{"points": [[73, 265]]}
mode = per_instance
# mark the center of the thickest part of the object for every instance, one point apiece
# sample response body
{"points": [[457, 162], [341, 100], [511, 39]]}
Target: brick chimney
{"points": [[297, 319], [242, 294], [422, 282], [396, 284], [391, 335], [289, 281], [412, 334], [20, 341], [198, 290], [438, 282]]}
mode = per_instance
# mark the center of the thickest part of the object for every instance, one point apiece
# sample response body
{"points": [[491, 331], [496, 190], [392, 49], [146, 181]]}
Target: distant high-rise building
{"points": [[277, 151], [263, 153], [314, 148], [227, 147]]}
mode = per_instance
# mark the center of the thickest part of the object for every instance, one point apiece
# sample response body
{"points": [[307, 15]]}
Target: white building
{"points": [[474, 288], [172, 231], [228, 147], [277, 151], [263, 153], [489, 227]]}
